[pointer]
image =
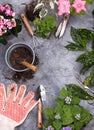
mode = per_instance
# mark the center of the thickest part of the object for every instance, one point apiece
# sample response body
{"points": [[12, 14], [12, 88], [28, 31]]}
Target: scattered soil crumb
{"points": [[22, 76]]}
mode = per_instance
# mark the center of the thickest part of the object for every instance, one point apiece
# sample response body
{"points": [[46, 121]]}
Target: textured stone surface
{"points": [[56, 67]]}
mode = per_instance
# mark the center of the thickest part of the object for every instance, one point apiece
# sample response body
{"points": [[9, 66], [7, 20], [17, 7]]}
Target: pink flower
{"points": [[64, 7], [79, 5], [9, 24], [12, 13], [2, 8], [8, 12]]}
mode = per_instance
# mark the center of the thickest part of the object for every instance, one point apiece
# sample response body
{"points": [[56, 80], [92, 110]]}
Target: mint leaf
{"points": [[75, 100], [58, 109], [64, 92], [57, 124], [67, 117], [78, 125], [45, 27], [59, 101], [85, 116], [76, 109], [49, 113]]}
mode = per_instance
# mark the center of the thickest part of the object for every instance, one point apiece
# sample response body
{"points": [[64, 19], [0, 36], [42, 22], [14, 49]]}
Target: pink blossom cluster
{"points": [[64, 6], [6, 23], [7, 10]]}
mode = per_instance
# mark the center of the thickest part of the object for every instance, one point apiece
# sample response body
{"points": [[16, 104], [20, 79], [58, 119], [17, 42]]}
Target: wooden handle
{"points": [[40, 114], [30, 66], [28, 26]]}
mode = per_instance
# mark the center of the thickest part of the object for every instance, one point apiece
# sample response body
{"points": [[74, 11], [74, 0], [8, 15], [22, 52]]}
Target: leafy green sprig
{"points": [[45, 27], [68, 112], [80, 38]]}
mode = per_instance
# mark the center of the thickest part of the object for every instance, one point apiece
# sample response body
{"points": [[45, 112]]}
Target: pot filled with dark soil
{"points": [[17, 53]]}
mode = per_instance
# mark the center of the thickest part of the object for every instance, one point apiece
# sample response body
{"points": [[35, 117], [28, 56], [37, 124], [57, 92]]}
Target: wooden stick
{"points": [[30, 66], [28, 26], [40, 114]]}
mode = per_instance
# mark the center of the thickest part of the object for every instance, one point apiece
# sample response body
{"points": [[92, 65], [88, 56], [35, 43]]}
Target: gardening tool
{"points": [[14, 107], [62, 26], [36, 41], [28, 65], [41, 95], [86, 88]]}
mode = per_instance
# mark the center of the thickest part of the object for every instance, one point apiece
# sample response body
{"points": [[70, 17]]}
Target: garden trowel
{"points": [[41, 95]]}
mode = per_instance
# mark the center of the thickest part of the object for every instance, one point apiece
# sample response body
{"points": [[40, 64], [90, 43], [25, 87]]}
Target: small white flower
{"points": [[57, 117], [78, 116], [68, 100]]}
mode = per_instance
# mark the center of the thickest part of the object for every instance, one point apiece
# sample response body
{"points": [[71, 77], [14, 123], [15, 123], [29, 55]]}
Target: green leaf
{"points": [[66, 119], [57, 124], [18, 27], [59, 101], [80, 38], [45, 27], [49, 113], [3, 39], [75, 100], [71, 1], [64, 92], [89, 1], [78, 125], [58, 109], [89, 80], [76, 109], [74, 47], [79, 92], [87, 59], [85, 116]]}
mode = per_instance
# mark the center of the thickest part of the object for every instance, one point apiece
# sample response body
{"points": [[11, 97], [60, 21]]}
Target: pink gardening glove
{"points": [[14, 107]]}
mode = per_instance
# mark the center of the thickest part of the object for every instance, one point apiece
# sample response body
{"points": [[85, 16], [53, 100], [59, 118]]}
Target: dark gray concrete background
{"points": [[56, 67]]}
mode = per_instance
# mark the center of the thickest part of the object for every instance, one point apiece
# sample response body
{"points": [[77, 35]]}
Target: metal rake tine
{"points": [[36, 41], [77, 76]]}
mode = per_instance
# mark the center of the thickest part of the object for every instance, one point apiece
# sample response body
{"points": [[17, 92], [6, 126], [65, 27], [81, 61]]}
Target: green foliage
{"points": [[89, 1], [89, 80], [18, 28], [67, 111], [78, 92], [80, 38], [3, 39], [13, 31], [45, 27], [87, 59]]}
